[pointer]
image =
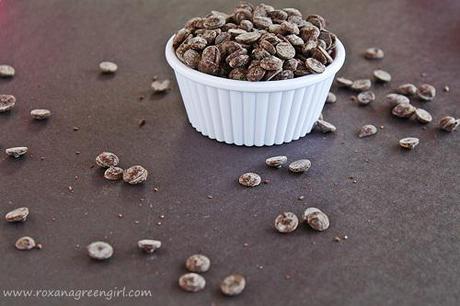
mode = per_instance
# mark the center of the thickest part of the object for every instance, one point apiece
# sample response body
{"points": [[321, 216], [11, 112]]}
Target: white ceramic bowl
{"points": [[253, 113]]}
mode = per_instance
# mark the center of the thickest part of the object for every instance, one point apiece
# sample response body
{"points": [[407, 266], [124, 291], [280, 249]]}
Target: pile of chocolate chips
{"points": [[256, 43]]}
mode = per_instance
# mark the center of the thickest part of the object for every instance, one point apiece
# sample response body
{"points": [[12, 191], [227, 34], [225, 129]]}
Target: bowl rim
{"points": [[262, 86]]}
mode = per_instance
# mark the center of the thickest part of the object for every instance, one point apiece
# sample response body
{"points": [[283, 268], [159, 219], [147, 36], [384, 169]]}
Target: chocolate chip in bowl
{"points": [[255, 76]]}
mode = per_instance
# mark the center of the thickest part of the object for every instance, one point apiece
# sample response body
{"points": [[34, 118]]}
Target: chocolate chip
{"points": [[409, 143], [135, 175], [7, 103], [367, 130], [99, 250], [108, 67], [449, 124], [249, 179], [426, 92], [192, 282], [374, 53], [6, 71], [233, 285], [40, 114], [16, 152], [365, 97]]}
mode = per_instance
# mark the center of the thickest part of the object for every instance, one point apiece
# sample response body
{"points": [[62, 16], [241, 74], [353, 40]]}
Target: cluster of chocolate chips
{"points": [[256, 43]]}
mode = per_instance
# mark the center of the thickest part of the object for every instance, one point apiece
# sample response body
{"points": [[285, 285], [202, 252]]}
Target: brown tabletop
{"points": [[399, 209]]}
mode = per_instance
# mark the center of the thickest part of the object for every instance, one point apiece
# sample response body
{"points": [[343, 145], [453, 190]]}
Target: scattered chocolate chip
{"points": [[423, 116], [286, 222], [198, 263], [365, 97], [192, 282], [276, 161], [250, 179], [25, 243], [233, 285], [374, 53], [361, 85], [407, 89], [99, 250], [108, 67], [426, 92], [344, 82], [395, 99], [107, 159], [409, 142], [299, 166], [7, 103], [113, 173], [16, 152], [325, 127], [135, 175], [331, 98], [40, 114], [17, 215], [403, 110], [6, 71], [149, 245], [367, 130], [161, 86], [449, 124], [316, 219], [382, 76]]}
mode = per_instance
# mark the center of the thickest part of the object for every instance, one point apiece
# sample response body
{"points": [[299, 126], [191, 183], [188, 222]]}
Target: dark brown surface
{"points": [[401, 217]]}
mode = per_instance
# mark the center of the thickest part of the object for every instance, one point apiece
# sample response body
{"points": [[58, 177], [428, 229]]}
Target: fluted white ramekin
{"points": [[253, 113]]}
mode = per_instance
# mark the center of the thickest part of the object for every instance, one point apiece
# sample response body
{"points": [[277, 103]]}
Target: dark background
{"points": [[401, 217]]}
